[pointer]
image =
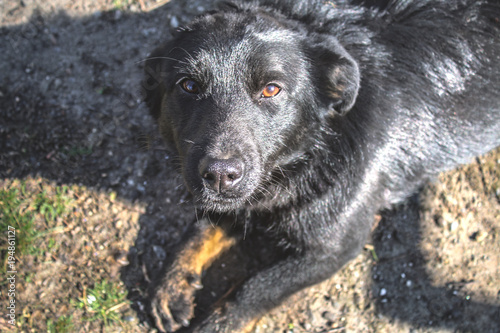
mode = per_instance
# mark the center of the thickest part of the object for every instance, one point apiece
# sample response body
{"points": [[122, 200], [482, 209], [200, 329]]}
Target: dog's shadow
{"points": [[403, 289], [113, 122]]}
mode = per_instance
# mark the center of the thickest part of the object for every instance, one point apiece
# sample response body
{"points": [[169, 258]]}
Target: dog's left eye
{"points": [[270, 90], [190, 86]]}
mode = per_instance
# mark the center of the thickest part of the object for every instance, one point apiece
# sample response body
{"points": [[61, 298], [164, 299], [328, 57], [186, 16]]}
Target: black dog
{"points": [[308, 117]]}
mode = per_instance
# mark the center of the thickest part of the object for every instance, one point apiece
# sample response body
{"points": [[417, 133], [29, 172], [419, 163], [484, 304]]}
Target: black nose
{"points": [[221, 175]]}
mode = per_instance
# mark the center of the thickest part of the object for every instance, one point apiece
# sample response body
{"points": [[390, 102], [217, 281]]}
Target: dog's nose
{"points": [[221, 174]]}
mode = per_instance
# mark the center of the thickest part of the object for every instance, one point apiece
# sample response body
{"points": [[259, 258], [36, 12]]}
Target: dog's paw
{"points": [[217, 322], [229, 319], [172, 305]]}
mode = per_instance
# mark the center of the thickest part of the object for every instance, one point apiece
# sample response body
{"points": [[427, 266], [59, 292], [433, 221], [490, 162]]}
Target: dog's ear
{"points": [[336, 72], [153, 86]]}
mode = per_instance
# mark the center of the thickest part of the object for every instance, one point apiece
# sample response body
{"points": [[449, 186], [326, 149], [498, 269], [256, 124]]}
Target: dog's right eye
{"points": [[190, 86], [270, 90]]}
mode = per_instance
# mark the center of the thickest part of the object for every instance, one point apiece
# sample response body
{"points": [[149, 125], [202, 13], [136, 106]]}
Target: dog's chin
{"points": [[220, 204]]}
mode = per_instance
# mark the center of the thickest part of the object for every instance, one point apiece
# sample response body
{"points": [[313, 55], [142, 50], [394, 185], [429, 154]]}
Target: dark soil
{"points": [[71, 114]]}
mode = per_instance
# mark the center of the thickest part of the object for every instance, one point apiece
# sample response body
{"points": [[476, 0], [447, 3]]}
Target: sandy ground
{"points": [[71, 114]]}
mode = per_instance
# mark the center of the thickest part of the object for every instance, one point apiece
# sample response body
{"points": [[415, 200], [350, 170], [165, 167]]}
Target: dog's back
{"points": [[428, 94], [442, 79]]}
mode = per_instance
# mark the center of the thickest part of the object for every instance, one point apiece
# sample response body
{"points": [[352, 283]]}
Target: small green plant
{"points": [[52, 206], [14, 214], [119, 4], [63, 324], [29, 215], [28, 277], [102, 302], [371, 248], [78, 151]]}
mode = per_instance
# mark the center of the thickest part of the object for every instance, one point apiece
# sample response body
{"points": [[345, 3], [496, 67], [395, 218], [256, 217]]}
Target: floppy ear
{"points": [[336, 72], [153, 86]]}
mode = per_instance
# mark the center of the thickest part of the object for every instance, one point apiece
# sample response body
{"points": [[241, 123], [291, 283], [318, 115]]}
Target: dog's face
{"points": [[237, 92]]}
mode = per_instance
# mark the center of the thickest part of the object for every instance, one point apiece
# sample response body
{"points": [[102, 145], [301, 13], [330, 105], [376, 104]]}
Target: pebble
{"points": [[91, 299], [383, 292], [160, 252], [146, 33], [57, 83], [174, 22], [140, 305], [329, 316], [129, 319]]}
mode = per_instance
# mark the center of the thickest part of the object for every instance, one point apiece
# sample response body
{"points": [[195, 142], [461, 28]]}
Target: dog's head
{"points": [[237, 94]]}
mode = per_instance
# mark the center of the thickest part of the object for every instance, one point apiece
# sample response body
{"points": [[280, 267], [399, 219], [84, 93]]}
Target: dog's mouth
{"points": [[220, 204]]}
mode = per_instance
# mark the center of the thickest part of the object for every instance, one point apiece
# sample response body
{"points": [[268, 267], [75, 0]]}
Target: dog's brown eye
{"points": [[190, 86], [270, 90]]}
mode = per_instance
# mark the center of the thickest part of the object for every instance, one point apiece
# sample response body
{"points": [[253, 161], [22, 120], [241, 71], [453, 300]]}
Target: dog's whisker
{"points": [[156, 58]]}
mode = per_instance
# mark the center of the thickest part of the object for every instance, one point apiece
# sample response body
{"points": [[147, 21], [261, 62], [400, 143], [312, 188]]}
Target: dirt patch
{"points": [[71, 115]]}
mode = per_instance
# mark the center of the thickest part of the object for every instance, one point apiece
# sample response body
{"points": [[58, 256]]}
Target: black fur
{"points": [[376, 98]]}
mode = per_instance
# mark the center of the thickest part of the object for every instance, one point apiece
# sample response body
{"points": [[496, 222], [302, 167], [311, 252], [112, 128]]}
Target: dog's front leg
{"points": [[270, 287], [173, 296]]}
